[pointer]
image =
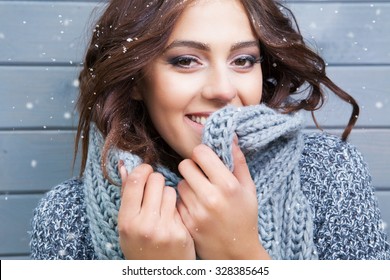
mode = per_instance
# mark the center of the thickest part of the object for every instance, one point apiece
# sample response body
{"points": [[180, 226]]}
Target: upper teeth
{"points": [[201, 120]]}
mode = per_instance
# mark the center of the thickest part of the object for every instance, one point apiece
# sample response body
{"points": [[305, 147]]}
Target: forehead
{"points": [[213, 19]]}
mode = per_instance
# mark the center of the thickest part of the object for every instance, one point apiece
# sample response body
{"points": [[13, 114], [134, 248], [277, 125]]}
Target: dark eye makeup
{"points": [[183, 61], [246, 61], [189, 61]]}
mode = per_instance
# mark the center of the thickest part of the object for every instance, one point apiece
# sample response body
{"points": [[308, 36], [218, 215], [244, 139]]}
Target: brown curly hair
{"points": [[131, 34]]}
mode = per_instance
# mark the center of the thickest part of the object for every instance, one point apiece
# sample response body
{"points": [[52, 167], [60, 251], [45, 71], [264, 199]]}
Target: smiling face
{"points": [[212, 59]]}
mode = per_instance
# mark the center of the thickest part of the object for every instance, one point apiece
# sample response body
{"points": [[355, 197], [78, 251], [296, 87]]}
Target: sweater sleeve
{"points": [[59, 225], [347, 220]]}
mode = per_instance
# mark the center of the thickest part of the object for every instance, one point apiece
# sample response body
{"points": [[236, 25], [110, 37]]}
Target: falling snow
{"points": [[76, 83], [67, 115], [29, 105], [379, 105], [34, 163]]}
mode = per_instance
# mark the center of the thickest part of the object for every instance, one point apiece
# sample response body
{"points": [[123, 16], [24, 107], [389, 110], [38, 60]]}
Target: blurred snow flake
{"points": [[34, 163], [29, 105], [67, 115], [313, 25], [76, 83], [379, 105], [67, 22], [2, 36]]}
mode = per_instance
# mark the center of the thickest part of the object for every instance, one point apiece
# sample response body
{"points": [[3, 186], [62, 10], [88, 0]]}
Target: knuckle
{"points": [[136, 176], [212, 202], [140, 173], [156, 177], [231, 188], [140, 232], [124, 229], [146, 232], [169, 192], [163, 239], [203, 218], [181, 237]]}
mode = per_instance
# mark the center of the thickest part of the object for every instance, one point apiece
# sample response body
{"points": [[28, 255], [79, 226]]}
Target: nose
{"points": [[219, 85]]}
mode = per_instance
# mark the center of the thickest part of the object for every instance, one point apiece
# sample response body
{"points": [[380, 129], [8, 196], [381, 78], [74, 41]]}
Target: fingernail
{"points": [[235, 139], [123, 172]]}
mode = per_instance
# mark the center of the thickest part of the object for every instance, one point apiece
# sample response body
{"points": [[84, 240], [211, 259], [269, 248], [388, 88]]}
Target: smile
{"points": [[198, 119]]}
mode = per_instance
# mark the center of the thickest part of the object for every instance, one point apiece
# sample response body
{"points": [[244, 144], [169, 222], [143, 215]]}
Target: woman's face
{"points": [[212, 59]]}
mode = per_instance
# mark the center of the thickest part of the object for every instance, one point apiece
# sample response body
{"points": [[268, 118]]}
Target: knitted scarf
{"points": [[272, 144]]}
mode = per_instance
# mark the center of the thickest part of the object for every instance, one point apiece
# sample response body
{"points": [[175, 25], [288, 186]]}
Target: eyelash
{"points": [[248, 58], [175, 61]]}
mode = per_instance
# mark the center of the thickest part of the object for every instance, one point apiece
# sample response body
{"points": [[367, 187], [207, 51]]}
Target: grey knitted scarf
{"points": [[272, 143]]}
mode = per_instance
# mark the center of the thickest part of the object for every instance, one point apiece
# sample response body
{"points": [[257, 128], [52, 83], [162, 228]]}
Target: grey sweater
{"points": [[334, 178]]}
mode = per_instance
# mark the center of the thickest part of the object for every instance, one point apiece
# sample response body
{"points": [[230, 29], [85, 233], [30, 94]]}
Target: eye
{"points": [[184, 61], [245, 61]]}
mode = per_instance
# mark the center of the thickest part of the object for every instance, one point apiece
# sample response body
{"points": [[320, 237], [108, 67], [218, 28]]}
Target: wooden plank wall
{"points": [[41, 46]]}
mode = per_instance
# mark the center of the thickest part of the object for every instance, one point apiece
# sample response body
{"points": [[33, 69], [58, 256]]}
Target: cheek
{"points": [[252, 89], [171, 90]]}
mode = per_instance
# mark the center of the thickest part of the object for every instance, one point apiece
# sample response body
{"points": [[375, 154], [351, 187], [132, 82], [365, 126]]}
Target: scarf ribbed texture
{"points": [[272, 144]]}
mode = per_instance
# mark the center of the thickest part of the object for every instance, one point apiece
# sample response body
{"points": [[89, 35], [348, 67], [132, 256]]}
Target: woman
{"points": [[192, 144]]}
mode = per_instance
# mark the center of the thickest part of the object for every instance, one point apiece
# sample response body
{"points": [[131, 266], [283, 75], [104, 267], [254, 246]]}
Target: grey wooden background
{"points": [[41, 46]]}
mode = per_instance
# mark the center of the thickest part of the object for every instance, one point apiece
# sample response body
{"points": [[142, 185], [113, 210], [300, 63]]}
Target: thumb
{"points": [[241, 170]]}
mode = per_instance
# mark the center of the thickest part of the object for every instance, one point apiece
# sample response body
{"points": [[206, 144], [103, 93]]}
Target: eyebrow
{"points": [[206, 47]]}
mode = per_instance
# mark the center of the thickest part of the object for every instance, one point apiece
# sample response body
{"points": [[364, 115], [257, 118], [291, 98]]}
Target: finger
{"points": [[187, 194], [210, 164], [153, 193], [168, 204], [133, 187], [185, 215], [241, 170], [190, 197], [195, 178]]}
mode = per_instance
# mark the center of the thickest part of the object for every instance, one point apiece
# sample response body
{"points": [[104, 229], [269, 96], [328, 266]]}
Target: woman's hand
{"points": [[219, 207], [149, 224]]}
